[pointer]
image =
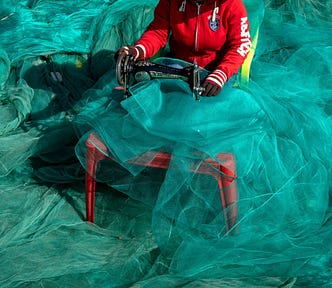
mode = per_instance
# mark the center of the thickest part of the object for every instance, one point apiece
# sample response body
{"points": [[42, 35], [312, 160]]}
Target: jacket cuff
{"points": [[217, 77], [142, 49]]}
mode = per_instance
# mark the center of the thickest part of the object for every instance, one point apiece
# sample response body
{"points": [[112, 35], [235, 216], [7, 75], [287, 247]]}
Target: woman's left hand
{"points": [[213, 83], [210, 89]]}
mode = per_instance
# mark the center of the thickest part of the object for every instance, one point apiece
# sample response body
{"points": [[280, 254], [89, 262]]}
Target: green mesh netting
{"points": [[156, 227]]}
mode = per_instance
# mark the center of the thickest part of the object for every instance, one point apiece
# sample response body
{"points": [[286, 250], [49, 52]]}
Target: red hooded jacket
{"points": [[215, 34]]}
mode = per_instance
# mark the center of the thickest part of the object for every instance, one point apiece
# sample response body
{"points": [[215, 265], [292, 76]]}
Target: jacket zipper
{"points": [[196, 30]]}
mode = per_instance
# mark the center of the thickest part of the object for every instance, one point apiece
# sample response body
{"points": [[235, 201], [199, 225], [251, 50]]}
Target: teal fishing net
{"points": [[163, 227]]}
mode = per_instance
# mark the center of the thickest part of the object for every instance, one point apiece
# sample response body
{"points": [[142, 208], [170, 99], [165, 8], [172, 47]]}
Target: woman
{"points": [[213, 34]]}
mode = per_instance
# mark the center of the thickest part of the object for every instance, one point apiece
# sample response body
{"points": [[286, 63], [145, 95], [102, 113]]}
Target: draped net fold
{"points": [[162, 227]]}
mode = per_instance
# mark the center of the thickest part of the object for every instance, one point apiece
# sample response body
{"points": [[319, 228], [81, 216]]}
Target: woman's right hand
{"points": [[134, 51]]}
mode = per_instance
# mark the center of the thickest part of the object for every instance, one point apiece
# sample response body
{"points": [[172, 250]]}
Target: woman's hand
{"points": [[134, 51], [213, 83]]}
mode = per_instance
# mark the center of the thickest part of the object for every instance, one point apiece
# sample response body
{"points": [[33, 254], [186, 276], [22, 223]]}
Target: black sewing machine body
{"points": [[129, 71]]}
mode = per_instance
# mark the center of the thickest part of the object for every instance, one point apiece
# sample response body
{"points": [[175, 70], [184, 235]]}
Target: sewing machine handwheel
{"points": [[124, 65], [120, 68]]}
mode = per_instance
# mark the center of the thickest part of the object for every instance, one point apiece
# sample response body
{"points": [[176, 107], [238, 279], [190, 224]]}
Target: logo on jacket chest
{"points": [[214, 22]]}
